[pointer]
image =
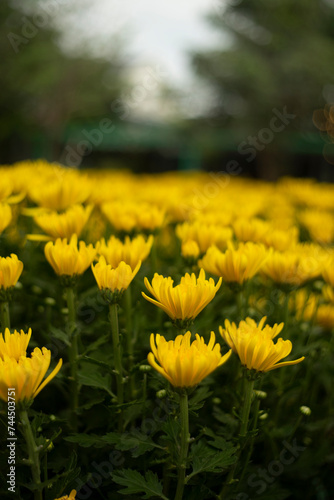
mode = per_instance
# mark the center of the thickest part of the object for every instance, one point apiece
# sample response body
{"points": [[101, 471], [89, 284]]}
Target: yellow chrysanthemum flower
{"points": [[328, 293], [114, 279], [182, 363], [14, 345], [128, 216], [328, 271], [184, 301], [320, 225], [304, 304], [5, 216], [325, 316], [190, 249], [66, 258], [291, 267], [130, 252], [235, 265], [71, 496], [254, 344], [205, 235], [280, 239], [62, 225], [10, 270], [59, 192], [26, 375], [251, 229]]}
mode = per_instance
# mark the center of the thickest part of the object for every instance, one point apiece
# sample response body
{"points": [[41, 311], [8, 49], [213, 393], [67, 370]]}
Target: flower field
{"points": [[165, 336]]}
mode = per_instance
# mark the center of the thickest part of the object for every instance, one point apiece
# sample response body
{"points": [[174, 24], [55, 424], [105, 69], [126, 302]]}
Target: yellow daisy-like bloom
{"points": [[190, 249], [26, 375], [254, 344], [328, 271], [14, 345], [10, 270], [235, 265], [62, 225], [204, 235], [290, 267], [280, 239], [328, 293], [66, 258], [182, 363], [5, 216], [130, 216], [304, 304], [184, 301], [71, 496], [114, 279], [130, 252], [251, 229], [325, 316]]}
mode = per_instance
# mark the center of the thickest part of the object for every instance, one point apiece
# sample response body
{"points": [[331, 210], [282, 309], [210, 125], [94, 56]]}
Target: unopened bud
{"points": [[260, 394], [145, 368], [161, 394], [216, 401], [264, 416], [49, 301], [305, 410]]}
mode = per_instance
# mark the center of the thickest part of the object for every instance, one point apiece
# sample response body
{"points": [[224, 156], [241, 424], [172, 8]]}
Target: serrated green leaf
{"points": [[59, 334], [205, 459], [134, 482], [86, 440], [93, 378], [136, 441]]}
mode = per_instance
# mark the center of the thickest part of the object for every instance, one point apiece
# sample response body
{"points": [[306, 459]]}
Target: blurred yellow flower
{"points": [[205, 235], [60, 188], [304, 304], [235, 265], [328, 293], [325, 316], [328, 271], [290, 267], [280, 239], [254, 344], [184, 301], [14, 345], [182, 363], [71, 496], [131, 251], [320, 225], [26, 375], [5, 216], [114, 279], [10, 270], [64, 225], [66, 258], [251, 229], [129, 216], [190, 249]]}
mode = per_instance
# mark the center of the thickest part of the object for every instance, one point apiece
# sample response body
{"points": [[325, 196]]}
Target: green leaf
{"points": [[136, 441], [91, 377], [59, 334], [197, 401], [96, 362], [134, 482], [205, 459], [95, 345], [86, 440]]}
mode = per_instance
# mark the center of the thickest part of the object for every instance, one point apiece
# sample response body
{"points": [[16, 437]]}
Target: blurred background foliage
{"points": [[272, 55]]}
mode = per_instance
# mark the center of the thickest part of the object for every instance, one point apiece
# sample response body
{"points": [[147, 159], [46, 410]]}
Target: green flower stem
{"points": [[241, 303], [73, 355], [129, 341], [4, 313], [248, 392], [113, 316], [33, 453], [250, 446], [184, 418], [154, 257]]}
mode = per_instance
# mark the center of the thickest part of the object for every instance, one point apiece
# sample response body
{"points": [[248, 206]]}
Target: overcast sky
{"points": [[156, 32]]}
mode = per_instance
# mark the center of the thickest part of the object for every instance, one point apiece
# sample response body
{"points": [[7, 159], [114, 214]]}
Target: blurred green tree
{"points": [[43, 88], [278, 57]]}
